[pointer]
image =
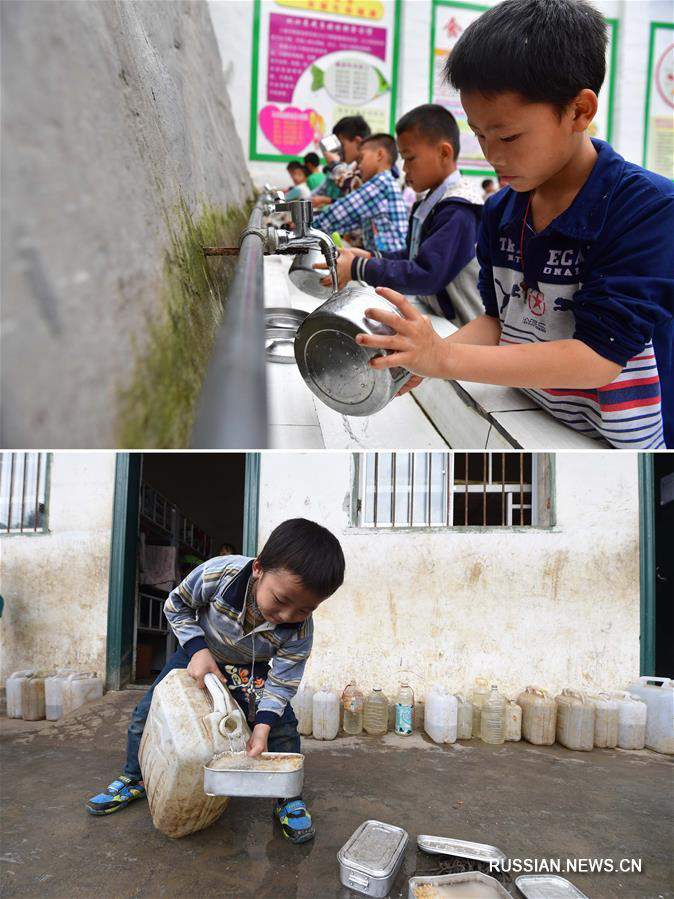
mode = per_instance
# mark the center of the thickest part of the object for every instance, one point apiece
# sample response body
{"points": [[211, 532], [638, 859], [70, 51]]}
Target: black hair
{"points": [[433, 122], [311, 159], [307, 550], [386, 142], [351, 127], [545, 50], [298, 165], [487, 182], [228, 548]]}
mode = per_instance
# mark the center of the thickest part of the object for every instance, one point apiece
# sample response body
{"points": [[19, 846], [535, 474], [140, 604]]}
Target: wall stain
{"points": [[553, 569]]}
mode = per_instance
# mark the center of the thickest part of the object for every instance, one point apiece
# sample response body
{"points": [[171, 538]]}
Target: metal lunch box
{"points": [[370, 859], [270, 775], [547, 886], [334, 367], [430, 887], [308, 279], [281, 324]]}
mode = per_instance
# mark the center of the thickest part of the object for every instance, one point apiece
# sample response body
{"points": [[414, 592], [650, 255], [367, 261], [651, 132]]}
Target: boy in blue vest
{"points": [[576, 262], [438, 264], [233, 611]]}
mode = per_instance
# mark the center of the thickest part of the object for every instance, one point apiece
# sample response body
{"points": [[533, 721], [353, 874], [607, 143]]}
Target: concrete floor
{"points": [[531, 802]]}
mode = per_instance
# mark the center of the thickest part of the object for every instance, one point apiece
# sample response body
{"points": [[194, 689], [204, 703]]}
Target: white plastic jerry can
{"points": [[513, 718], [13, 690], [575, 720], [441, 715], [658, 694], [325, 714], [53, 693], [303, 706], [464, 718], [186, 727], [605, 721], [631, 719], [79, 688]]}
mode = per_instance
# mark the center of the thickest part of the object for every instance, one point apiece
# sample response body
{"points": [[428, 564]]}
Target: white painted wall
{"points": [[233, 25], [55, 584], [553, 608]]}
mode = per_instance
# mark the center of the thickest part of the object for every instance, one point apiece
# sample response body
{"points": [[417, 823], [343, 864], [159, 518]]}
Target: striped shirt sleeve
{"points": [[287, 668], [182, 609]]}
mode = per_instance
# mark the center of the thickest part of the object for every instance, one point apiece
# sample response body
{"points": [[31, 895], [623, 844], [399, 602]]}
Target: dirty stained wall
{"points": [[55, 584], [554, 608], [118, 143]]}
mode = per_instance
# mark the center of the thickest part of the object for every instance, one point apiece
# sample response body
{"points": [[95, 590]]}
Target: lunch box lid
{"points": [[375, 849]]}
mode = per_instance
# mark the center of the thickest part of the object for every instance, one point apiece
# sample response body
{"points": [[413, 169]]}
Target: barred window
{"points": [[24, 490], [403, 490]]}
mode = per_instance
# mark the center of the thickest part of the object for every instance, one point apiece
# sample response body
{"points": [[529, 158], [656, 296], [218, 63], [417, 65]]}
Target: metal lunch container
{"points": [[308, 279], [281, 324], [370, 859], [420, 886], [334, 367], [270, 775]]}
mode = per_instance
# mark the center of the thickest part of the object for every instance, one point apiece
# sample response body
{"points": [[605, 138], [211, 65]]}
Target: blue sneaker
{"points": [[118, 795], [295, 820]]}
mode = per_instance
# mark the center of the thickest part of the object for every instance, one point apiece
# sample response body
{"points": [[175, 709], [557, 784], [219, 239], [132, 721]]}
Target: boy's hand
{"points": [[203, 663], [414, 346], [258, 740], [344, 260]]}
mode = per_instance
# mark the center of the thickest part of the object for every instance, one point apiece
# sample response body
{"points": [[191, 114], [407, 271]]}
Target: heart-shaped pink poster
{"points": [[290, 130]]}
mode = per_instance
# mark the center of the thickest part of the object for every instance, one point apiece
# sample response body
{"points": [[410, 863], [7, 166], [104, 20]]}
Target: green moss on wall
{"points": [[158, 407]]}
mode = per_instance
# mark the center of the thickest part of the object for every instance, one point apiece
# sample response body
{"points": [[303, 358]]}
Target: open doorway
{"points": [[191, 508], [663, 478]]}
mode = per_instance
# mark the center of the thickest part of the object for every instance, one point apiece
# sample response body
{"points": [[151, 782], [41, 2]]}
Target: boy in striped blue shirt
{"points": [[576, 264], [233, 616], [377, 208]]}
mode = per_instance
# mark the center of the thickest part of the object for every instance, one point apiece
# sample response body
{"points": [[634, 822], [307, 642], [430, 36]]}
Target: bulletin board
{"points": [[315, 61], [659, 125], [449, 19]]}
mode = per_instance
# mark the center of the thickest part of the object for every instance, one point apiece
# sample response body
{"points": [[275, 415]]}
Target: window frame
{"points": [[44, 528], [543, 502]]}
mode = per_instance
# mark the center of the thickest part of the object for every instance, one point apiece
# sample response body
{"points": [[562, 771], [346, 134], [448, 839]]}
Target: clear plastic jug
{"points": [[539, 716], [492, 718], [186, 727], [53, 693], [404, 711], [375, 713], [32, 698], [658, 694], [513, 717], [79, 688], [631, 719], [353, 704], [326, 715], [605, 721], [303, 706], [575, 720], [13, 692], [464, 718], [441, 712], [480, 693]]}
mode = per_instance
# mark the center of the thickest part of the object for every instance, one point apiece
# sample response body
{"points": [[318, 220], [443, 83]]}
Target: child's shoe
{"points": [[295, 820], [118, 795]]}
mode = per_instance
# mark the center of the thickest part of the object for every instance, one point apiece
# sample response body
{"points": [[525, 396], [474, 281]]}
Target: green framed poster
{"points": [[315, 61], [449, 19], [659, 124]]}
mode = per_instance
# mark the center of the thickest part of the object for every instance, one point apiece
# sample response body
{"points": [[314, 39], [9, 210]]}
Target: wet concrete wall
{"points": [[55, 584], [554, 608], [120, 154]]}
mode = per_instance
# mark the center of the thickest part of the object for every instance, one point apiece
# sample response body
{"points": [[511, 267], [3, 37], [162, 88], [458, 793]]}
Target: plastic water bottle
{"points": [[464, 718], [353, 703], [492, 718], [375, 713], [404, 711]]}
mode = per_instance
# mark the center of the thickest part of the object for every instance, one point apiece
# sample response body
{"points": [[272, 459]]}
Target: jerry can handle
{"points": [[28, 672], [569, 691], [219, 693], [662, 681]]}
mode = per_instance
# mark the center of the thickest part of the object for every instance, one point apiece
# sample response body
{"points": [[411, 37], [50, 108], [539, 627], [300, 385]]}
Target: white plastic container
{"points": [[605, 721], [575, 720], [326, 715], [13, 690], [632, 714], [303, 706], [493, 718], [79, 688], [32, 698], [441, 714], [658, 694], [513, 720], [479, 695], [464, 726], [53, 693], [186, 728], [539, 716]]}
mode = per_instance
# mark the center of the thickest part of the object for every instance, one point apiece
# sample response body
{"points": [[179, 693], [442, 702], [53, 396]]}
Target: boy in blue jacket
{"points": [[576, 262], [232, 617], [438, 264]]}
